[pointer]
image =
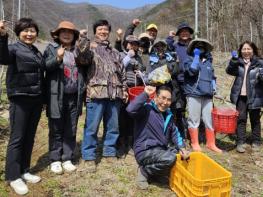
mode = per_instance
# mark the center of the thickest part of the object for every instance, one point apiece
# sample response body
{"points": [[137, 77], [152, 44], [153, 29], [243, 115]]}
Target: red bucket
{"points": [[135, 91], [225, 120]]}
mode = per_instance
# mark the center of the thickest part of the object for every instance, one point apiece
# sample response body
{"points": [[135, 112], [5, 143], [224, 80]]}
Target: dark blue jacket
{"points": [[198, 82], [181, 52], [254, 81], [152, 128]]}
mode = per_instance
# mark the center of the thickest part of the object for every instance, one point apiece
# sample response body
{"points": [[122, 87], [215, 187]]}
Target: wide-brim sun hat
{"points": [[144, 35], [159, 42], [208, 47], [65, 25], [184, 25]]}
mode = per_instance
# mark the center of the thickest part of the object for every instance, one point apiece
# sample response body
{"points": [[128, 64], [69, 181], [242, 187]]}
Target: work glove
{"points": [[234, 54], [195, 62], [197, 52]]}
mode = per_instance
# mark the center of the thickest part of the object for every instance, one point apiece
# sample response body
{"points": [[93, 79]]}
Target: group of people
{"points": [[74, 70]]}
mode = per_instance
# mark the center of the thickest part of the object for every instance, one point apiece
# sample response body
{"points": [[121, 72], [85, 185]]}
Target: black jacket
{"points": [[55, 84], [25, 73], [254, 81]]}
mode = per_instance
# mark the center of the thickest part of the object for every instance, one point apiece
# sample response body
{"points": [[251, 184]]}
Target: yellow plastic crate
{"points": [[200, 176]]}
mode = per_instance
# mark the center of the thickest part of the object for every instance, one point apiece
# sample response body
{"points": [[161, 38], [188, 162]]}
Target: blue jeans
{"points": [[95, 111]]}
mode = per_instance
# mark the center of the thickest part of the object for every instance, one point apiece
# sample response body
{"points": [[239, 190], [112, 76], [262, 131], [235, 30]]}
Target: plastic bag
{"points": [[160, 75]]}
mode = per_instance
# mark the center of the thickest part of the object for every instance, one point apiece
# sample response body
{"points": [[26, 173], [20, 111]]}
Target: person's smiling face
{"points": [[28, 35], [102, 33]]}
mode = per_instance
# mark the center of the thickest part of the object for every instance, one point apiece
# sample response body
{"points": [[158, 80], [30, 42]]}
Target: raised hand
{"points": [[119, 33], [2, 28], [136, 21], [83, 33], [149, 90], [197, 52], [60, 53], [172, 33]]}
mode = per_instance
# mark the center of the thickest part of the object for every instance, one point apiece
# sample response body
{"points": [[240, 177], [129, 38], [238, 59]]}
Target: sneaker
{"points": [[141, 180], [19, 186], [241, 148], [56, 167], [68, 166], [255, 147], [28, 177]]}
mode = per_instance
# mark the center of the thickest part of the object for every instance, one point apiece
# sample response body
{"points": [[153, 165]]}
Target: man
{"points": [[106, 88], [151, 31], [153, 134], [184, 32]]}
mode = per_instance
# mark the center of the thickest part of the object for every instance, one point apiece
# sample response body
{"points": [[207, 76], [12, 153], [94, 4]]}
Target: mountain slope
{"points": [[48, 13], [169, 14]]}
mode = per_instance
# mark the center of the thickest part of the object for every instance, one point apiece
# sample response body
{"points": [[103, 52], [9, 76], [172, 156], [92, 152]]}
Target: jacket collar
{"points": [[168, 115], [30, 47], [104, 43], [180, 43], [253, 61], [154, 106]]}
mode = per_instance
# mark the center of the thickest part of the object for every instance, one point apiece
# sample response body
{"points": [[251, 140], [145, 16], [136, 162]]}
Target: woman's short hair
{"points": [[24, 23], [251, 44], [101, 23]]}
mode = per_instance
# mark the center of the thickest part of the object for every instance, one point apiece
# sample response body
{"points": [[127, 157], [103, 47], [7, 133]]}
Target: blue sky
{"points": [[127, 4]]}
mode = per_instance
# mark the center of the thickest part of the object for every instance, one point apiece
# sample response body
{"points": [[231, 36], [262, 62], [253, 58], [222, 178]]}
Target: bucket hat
{"points": [[65, 25], [184, 25], [132, 38]]}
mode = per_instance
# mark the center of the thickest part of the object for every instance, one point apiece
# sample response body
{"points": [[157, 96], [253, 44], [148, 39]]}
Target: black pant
{"points": [[254, 115], [126, 122], [62, 131], [157, 161], [25, 112]]}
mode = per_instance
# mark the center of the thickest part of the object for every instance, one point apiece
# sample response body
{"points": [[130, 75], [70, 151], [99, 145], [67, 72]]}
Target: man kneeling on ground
{"points": [[156, 137]]}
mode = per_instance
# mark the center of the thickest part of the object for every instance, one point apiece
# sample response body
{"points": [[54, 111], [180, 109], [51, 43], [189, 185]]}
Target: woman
{"points": [[133, 64], [246, 92], [65, 88], [24, 80], [199, 87]]}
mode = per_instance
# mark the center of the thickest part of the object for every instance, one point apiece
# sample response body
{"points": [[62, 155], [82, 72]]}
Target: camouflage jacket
{"points": [[106, 74]]}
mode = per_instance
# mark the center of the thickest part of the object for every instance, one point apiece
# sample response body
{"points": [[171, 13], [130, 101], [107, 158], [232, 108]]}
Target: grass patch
{"points": [[3, 191], [53, 188], [3, 123]]}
